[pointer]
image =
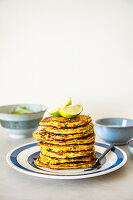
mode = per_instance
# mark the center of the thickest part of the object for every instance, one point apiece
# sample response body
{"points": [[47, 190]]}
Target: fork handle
{"points": [[106, 151]]}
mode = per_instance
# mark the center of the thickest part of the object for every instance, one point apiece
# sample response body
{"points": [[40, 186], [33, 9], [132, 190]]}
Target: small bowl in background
{"points": [[114, 130], [130, 146], [21, 125]]}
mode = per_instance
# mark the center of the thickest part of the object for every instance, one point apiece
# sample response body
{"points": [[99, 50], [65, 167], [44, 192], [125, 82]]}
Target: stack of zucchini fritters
{"points": [[66, 143]]}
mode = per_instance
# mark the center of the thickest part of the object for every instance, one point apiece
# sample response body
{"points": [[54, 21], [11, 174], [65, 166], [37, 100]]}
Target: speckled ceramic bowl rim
{"points": [[110, 126], [44, 108], [129, 143]]}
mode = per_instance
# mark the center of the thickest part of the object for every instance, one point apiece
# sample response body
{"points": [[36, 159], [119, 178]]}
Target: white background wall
{"points": [[50, 50]]}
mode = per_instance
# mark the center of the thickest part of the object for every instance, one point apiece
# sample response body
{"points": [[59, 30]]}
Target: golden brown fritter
{"points": [[48, 160], [73, 165], [71, 154], [70, 131], [62, 122], [49, 137], [65, 148]]}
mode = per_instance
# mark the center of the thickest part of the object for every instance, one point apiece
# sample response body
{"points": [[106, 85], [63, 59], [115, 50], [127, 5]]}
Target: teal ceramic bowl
{"points": [[21, 125], [114, 130]]}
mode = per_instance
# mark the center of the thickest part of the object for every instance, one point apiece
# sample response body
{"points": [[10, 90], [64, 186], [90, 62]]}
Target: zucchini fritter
{"points": [[70, 131], [49, 160], [65, 148], [73, 165], [61, 122], [64, 138]]}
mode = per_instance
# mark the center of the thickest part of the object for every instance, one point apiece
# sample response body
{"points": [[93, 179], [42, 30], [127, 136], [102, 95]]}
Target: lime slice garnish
{"points": [[55, 111], [70, 111], [22, 110]]}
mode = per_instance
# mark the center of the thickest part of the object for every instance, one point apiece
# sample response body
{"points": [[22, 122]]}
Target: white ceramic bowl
{"points": [[21, 125], [130, 146]]}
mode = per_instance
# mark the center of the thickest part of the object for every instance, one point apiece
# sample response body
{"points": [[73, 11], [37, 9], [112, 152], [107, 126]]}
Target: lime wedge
{"points": [[70, 111], [22, 110], [55, 111]]}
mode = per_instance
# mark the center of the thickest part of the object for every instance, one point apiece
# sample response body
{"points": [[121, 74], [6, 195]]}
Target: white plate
{"points": [[22, 159]]}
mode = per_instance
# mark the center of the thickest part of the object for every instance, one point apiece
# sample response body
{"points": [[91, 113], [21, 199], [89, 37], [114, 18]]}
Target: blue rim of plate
{"points": [[12, 161]]}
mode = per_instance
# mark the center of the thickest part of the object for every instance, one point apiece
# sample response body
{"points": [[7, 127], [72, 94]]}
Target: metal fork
{"points": [[98, 162]]}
